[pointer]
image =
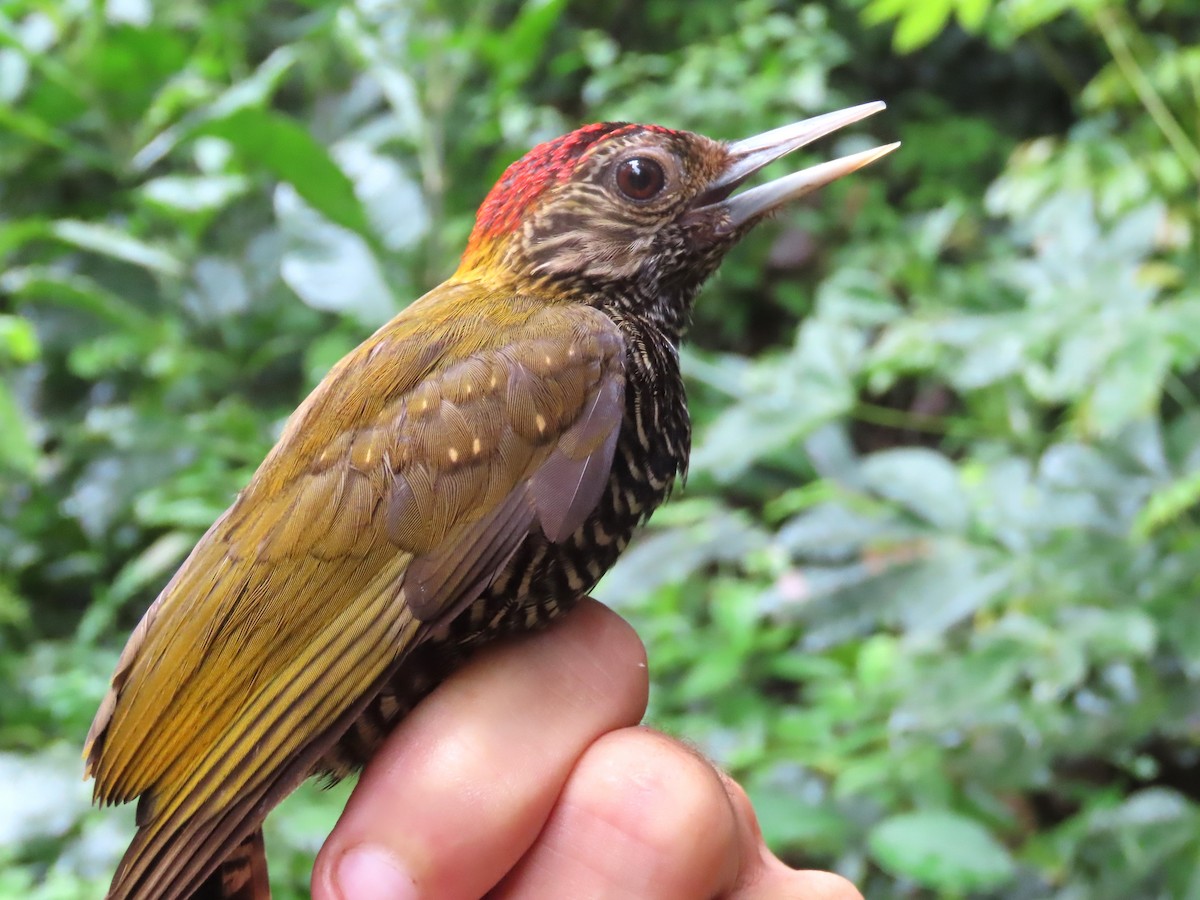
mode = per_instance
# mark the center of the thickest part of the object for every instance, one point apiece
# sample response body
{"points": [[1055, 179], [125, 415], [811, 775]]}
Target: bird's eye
{"points": [[640, 178]]}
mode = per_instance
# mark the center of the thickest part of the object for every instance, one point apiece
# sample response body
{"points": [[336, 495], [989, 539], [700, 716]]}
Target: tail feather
{"points": [[241, 876], [178, 859]]}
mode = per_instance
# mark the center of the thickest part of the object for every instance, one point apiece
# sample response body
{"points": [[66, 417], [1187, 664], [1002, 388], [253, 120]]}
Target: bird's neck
{"points": [[659, 313], [648, 309]]}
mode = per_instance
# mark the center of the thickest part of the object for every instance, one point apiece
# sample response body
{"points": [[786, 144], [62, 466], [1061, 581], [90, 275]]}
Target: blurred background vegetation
{"points": [[931, 591]]}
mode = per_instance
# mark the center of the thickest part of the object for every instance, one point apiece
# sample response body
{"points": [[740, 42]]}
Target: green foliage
{"points": [[929, 591], [913, 845]]}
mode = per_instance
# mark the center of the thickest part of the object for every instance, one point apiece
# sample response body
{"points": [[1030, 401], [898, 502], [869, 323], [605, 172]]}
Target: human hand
{"points": [[526, 775]]}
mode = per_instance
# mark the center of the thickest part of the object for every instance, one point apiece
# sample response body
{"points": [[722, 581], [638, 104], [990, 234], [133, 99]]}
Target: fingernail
{"points": [[371, 873]]}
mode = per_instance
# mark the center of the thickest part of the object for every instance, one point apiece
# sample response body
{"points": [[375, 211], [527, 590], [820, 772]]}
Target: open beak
{"points": [[749, 155]]}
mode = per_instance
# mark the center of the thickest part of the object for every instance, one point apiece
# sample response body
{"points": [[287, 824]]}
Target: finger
{"points": [[762, 875], [778, 882], [460, 791], [641, 816]]}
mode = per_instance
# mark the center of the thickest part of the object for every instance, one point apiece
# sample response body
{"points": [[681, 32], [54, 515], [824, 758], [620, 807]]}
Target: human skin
{"points": [[526, 775]]}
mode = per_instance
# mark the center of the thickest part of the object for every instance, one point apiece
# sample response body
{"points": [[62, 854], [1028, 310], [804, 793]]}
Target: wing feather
{"points": [[398, 490]]}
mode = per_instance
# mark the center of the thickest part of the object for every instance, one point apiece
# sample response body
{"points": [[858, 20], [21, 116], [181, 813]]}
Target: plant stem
{"points": [[1114, 38]]}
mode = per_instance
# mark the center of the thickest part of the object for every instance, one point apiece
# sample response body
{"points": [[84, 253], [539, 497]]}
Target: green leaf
{"points": [[195, 193], [14, 121], [247, 93], [1129, 386], [116, 243], [787, 822], [971, 13], [941, 850], [17, 450], [1026, 15], [920, 24], [877, 12], [515, 51], [1149, 807], [1167, 504], [328, 266], [922, 481], [43, 284], [152, 566], [18, 340], [284, 148]]}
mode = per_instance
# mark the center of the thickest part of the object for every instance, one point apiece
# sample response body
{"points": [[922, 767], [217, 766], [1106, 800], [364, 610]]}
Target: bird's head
{"points": [[639, 215]]}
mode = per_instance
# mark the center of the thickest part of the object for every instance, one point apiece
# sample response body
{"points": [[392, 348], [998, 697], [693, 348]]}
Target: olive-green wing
{"points": [[398, 491]]}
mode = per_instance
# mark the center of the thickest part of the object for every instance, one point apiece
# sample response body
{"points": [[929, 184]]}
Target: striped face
{"points": [[607, 203], [634, 218], [541, 169]]}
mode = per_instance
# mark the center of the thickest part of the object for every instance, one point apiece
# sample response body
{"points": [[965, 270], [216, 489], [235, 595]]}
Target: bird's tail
{"points": [[241, 876]]}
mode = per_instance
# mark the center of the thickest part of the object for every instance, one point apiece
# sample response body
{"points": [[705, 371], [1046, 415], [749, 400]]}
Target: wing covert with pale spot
{"points": [[398, 490]]}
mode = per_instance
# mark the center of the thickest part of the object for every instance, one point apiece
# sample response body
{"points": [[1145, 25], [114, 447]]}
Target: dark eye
{"points": [[640, 178]]}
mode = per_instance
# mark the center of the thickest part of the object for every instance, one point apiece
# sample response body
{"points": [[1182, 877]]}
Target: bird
{"points": [[469, 471]]}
